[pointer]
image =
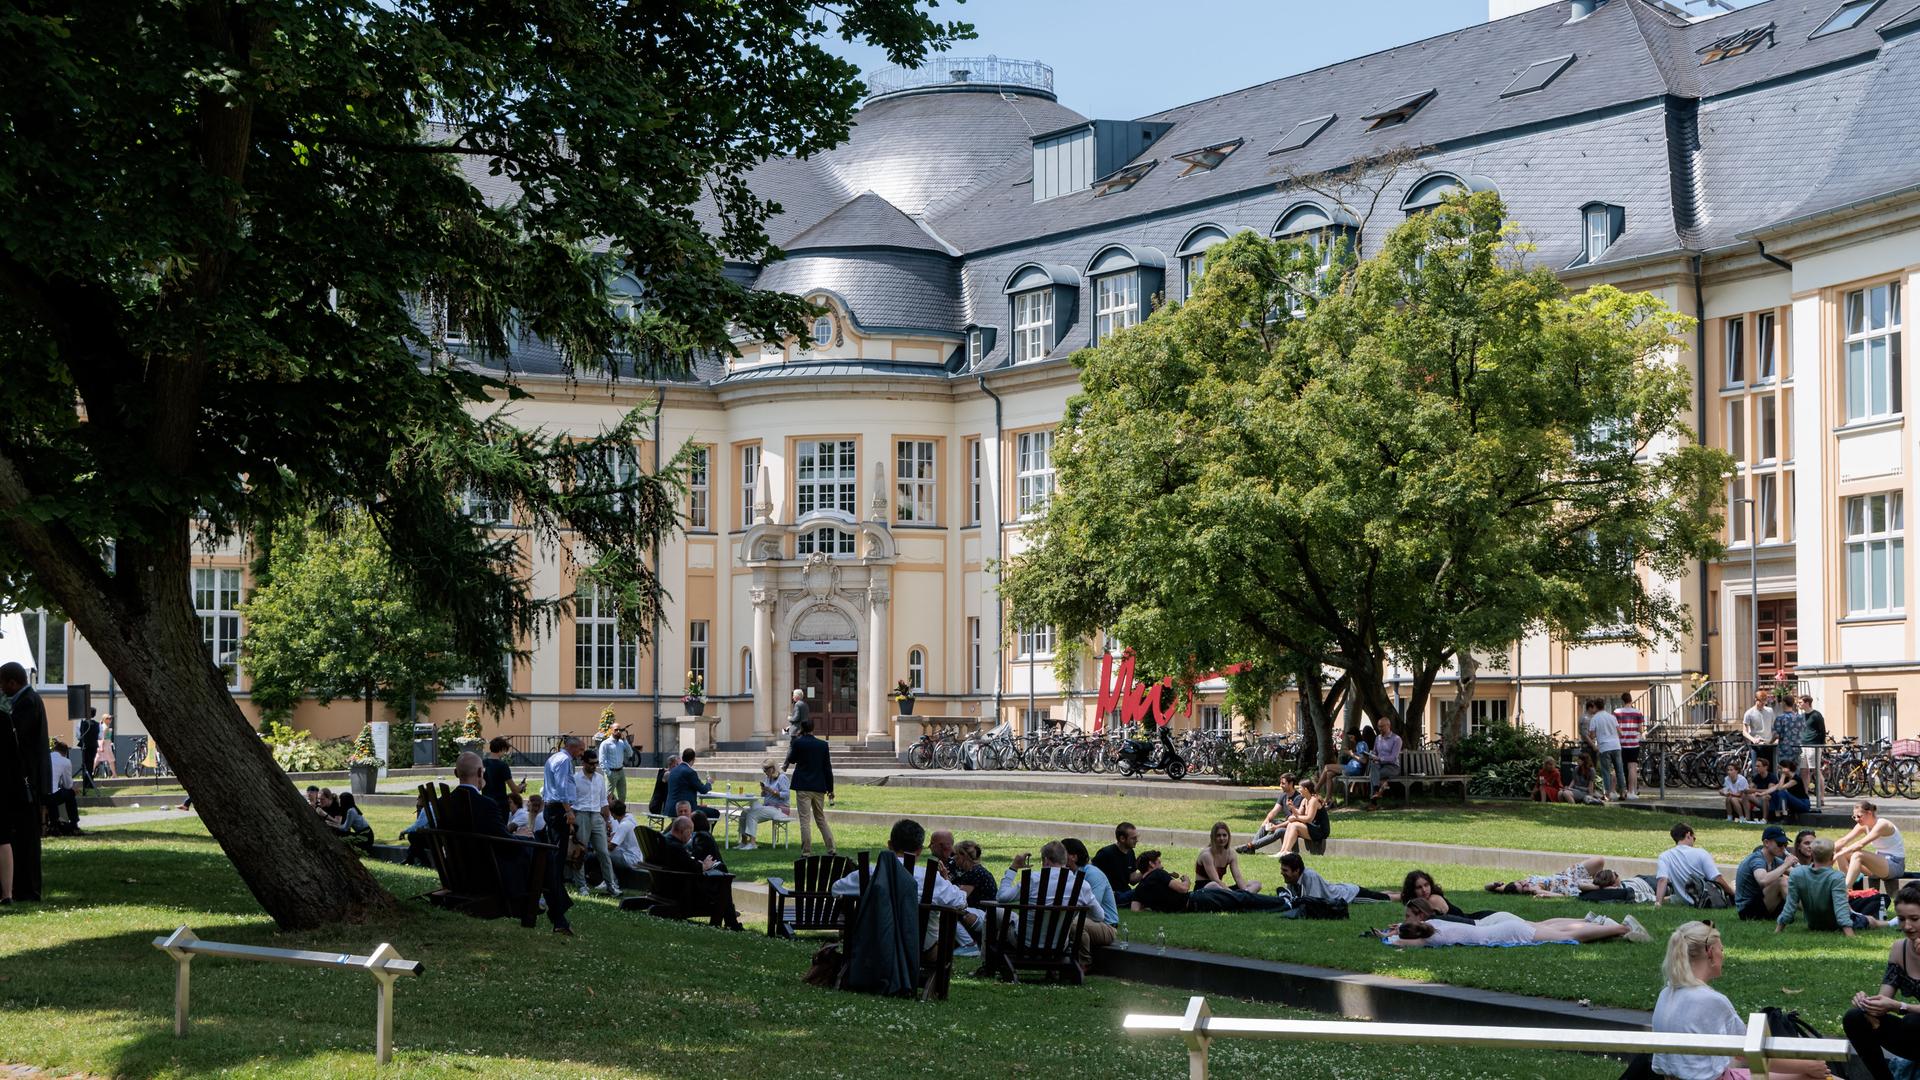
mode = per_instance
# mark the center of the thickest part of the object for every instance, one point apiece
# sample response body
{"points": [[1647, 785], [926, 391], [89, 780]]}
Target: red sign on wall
{"points": [[1135, 701]]}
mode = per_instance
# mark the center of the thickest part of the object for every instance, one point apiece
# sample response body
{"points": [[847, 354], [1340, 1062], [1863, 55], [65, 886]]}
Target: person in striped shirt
{"points": [[1631, 721]]}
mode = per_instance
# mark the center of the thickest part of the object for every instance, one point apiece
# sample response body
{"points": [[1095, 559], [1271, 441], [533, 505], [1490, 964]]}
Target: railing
{"points": [[1709, 703], [959, 70], [1199, 1027], [532, 749], [385, 965]]}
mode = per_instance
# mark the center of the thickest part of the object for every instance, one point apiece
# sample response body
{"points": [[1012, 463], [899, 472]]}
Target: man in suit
{"points": [[89, 746], [465, 809], [33, 772], [812, 766], [684, 783], [716, 885], [798, 715]]}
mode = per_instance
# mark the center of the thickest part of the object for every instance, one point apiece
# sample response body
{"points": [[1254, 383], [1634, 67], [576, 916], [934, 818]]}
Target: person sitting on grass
{"points": [[1305, 884], [527, 813], [1119, 862], [1760, 881], [1689, 1004], [351, 825], [1308, 821], [1803, 846], [1548, 786], [1421, 929], [1419, 885], [1733, 792], [1584, 876], [1881, 1024], [1583, 784], [1158, 890], [1689, 873], [1218, 860], [1271, 826], [1818, 890], [1872, 848], [416, 843]]}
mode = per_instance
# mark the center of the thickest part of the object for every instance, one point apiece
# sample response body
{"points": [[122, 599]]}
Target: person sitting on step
{"points": [[1308, 821]]}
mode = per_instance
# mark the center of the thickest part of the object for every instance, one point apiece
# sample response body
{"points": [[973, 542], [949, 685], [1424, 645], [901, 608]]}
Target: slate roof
{"points": [[868, 222], [884, 290]]}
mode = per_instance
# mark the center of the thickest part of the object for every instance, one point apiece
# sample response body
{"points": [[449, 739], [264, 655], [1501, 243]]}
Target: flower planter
{"points": [[363, 777], [695, 708], [906, 706]]}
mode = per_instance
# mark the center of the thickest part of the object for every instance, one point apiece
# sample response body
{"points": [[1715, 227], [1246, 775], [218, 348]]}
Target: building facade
{"points": [[853, 491]]}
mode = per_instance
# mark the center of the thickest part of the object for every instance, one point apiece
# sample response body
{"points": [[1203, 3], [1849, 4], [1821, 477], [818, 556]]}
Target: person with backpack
{"points": [[1690, 1005], [1690, 874]]}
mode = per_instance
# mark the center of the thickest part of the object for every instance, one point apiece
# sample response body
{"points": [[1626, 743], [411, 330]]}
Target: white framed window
{"points": [[470, 684], [1766, 488], [1034, 475], [749, 482], [976, 347], [1873, 352], [1876, 555], [1737, 509], [216, 600], [1875, 717], [1736, 351], [1033, 721], [1599, 229], [746, 671], [623, 468], [825, 476], [974, 463], [1768, 428], [698, 488], [823, 330], [1484, 711], [445, 319], [1213, 720], [825, 540], [917, 670], [915, 489], [1766, 350], [697, 650], [1737, 428], [1192, 268], [976, 675], [47, 641], [1116, 304], [603, 658], [1032, 325], [1036, 641], [484, 510]]}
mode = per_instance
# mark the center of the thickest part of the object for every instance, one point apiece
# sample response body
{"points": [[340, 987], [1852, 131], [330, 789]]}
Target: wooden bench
{"points": [[1038, 935], [809, 904], [936, 964], [677, 894], [487, 877], [1417, 767]]}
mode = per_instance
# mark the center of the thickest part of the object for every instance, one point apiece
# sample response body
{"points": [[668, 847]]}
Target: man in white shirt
{"points": [[591, 822], [625, 843], [61, 791], [615, 752], [1602, 732], [1053, 862], [1757, 725], [773, 804], [1688, 872], [906, 840]]}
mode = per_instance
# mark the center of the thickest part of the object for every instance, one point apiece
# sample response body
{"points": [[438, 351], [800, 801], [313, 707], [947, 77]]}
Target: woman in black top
{"points": [[969, 875], [1882, 1021], [496, 777], [1158, 890]]}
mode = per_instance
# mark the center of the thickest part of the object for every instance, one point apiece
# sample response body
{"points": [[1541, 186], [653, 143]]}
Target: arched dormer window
{"points": [[1040, 299], [1600, 225], [1334, 234], [1192, 254], [1432, 189], [1125, 280]]}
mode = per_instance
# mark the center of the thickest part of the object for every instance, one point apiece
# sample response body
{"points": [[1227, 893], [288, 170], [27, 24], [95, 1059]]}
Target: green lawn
{"points": [[84, 991]]}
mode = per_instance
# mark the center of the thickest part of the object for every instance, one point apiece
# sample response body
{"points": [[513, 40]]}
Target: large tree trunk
{"points": [[142, 623], [1469, 670]]}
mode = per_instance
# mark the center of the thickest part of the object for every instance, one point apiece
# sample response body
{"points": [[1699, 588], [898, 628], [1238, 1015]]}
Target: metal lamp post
{"points": [[1753, 581]]}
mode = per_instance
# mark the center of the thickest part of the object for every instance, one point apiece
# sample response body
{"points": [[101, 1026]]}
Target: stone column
{"points": [[879, 653], [765, 705]]}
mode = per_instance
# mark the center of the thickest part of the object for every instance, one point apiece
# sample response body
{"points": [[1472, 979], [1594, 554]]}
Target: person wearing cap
{"points": [[1760, 882]]}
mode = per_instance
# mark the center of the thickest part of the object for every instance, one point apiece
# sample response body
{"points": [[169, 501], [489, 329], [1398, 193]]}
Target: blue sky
{"points": [[1119, 59]]}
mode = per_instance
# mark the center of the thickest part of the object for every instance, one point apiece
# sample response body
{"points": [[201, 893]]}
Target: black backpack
{"points": [[1313, 907]]}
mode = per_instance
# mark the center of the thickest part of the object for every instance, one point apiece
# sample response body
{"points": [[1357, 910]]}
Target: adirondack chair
{"points": [[675, 894], [1041, 932], [484, 876], [809, 904], [936, 963]]}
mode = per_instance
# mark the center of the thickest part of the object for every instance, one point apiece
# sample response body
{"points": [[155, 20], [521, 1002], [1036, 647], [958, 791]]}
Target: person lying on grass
{"points": [[1420, 928], [1218, 861], [1305, 884], [1419, 885], [1819, 891], [1158, 890], [1584, 876]]}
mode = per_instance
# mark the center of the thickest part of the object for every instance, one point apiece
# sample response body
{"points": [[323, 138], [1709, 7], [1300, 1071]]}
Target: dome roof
{"points": [[887, 291]]}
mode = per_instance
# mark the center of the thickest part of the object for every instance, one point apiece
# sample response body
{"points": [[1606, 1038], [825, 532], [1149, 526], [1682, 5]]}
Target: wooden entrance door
{"points": [[1778, 642], [831, 682]]}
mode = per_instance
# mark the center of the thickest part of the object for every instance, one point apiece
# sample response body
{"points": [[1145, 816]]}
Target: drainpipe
{"points": [[653, 543], [1774, 259], [1700, 426], [999, 500]]}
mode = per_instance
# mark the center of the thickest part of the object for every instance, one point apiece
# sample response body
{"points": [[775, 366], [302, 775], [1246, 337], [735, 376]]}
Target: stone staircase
{"points": [[845, 756]]}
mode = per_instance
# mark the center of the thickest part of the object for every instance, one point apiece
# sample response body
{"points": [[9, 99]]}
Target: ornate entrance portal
{"points": [[831, 682]]}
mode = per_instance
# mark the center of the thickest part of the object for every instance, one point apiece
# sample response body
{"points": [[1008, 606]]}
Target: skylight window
{"points": [[1846, 17], [1537, 76], [1123, 179], [1303, 133], [1400, 111], [1738, 44], [1207, 158]]}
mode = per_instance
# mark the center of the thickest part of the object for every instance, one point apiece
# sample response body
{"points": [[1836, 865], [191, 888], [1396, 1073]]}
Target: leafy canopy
{"points": [[1431, 450]]}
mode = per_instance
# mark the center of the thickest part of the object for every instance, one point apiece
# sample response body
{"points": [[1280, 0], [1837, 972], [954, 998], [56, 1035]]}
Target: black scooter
{"points": [[1142, 756]]}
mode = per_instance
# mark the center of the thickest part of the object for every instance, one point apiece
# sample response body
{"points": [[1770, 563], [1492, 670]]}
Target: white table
{"points": [[733, 806]]}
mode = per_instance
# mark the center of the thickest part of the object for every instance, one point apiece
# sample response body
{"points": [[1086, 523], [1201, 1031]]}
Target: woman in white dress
{"points": [[1506, 928]]}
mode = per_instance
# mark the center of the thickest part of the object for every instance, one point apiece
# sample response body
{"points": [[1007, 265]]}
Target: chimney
{"points": [[1584, 8]]}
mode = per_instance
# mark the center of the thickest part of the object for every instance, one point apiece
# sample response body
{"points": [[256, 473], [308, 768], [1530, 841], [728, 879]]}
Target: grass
{"points": [[83, 990]]}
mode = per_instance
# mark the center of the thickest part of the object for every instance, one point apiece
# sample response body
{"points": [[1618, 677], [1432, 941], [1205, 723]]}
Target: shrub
{"points": [[299, 751], [1497, 744], [446, 743], [1505, 780], [470, 724]]}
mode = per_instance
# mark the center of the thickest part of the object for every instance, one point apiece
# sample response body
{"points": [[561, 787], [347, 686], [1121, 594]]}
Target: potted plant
{"points": [[363, 765], [695, 699], [471, 737], [903, 694]]}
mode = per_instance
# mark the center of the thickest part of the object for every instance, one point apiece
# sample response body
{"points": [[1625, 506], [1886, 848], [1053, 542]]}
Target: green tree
{"points": [[236, 230], [1434, 450], [333, 618]]}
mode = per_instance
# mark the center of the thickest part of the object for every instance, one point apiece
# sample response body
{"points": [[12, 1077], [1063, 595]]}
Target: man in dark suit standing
{"points": [[812, 766], [89, 746], [34, 770]]}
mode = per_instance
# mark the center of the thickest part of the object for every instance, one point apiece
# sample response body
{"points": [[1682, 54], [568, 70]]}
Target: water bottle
{"points": [[1160, 941], [1123, 936]]}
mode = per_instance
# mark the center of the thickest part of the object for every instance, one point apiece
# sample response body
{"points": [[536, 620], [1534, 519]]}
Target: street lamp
{"points": [[1753, 579]]}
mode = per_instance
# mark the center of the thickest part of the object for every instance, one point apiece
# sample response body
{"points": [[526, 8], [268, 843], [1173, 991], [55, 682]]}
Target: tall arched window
{"points": [[746, 671], [917, 669]]}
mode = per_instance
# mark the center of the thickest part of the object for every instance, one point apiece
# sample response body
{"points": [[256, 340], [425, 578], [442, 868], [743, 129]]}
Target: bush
{"points": [[1505, 780], [446, 742], [299, 751], [1498, 744]]}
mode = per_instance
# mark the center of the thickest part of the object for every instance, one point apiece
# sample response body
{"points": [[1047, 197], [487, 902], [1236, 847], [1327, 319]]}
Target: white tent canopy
{"points": [[13, 641]]}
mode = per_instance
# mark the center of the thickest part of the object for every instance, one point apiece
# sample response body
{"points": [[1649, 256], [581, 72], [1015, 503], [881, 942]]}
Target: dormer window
{"points": [[823, 330], [1401, 111], [976, 348], [1041, 299], [1537, 76], [1302, 133], [1123, 179], [1846, 17], [1123, 280], [1738, 44], [1207, 158], [1332, 234], [1601, 224], [1032, 325], [1192, 254]]}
